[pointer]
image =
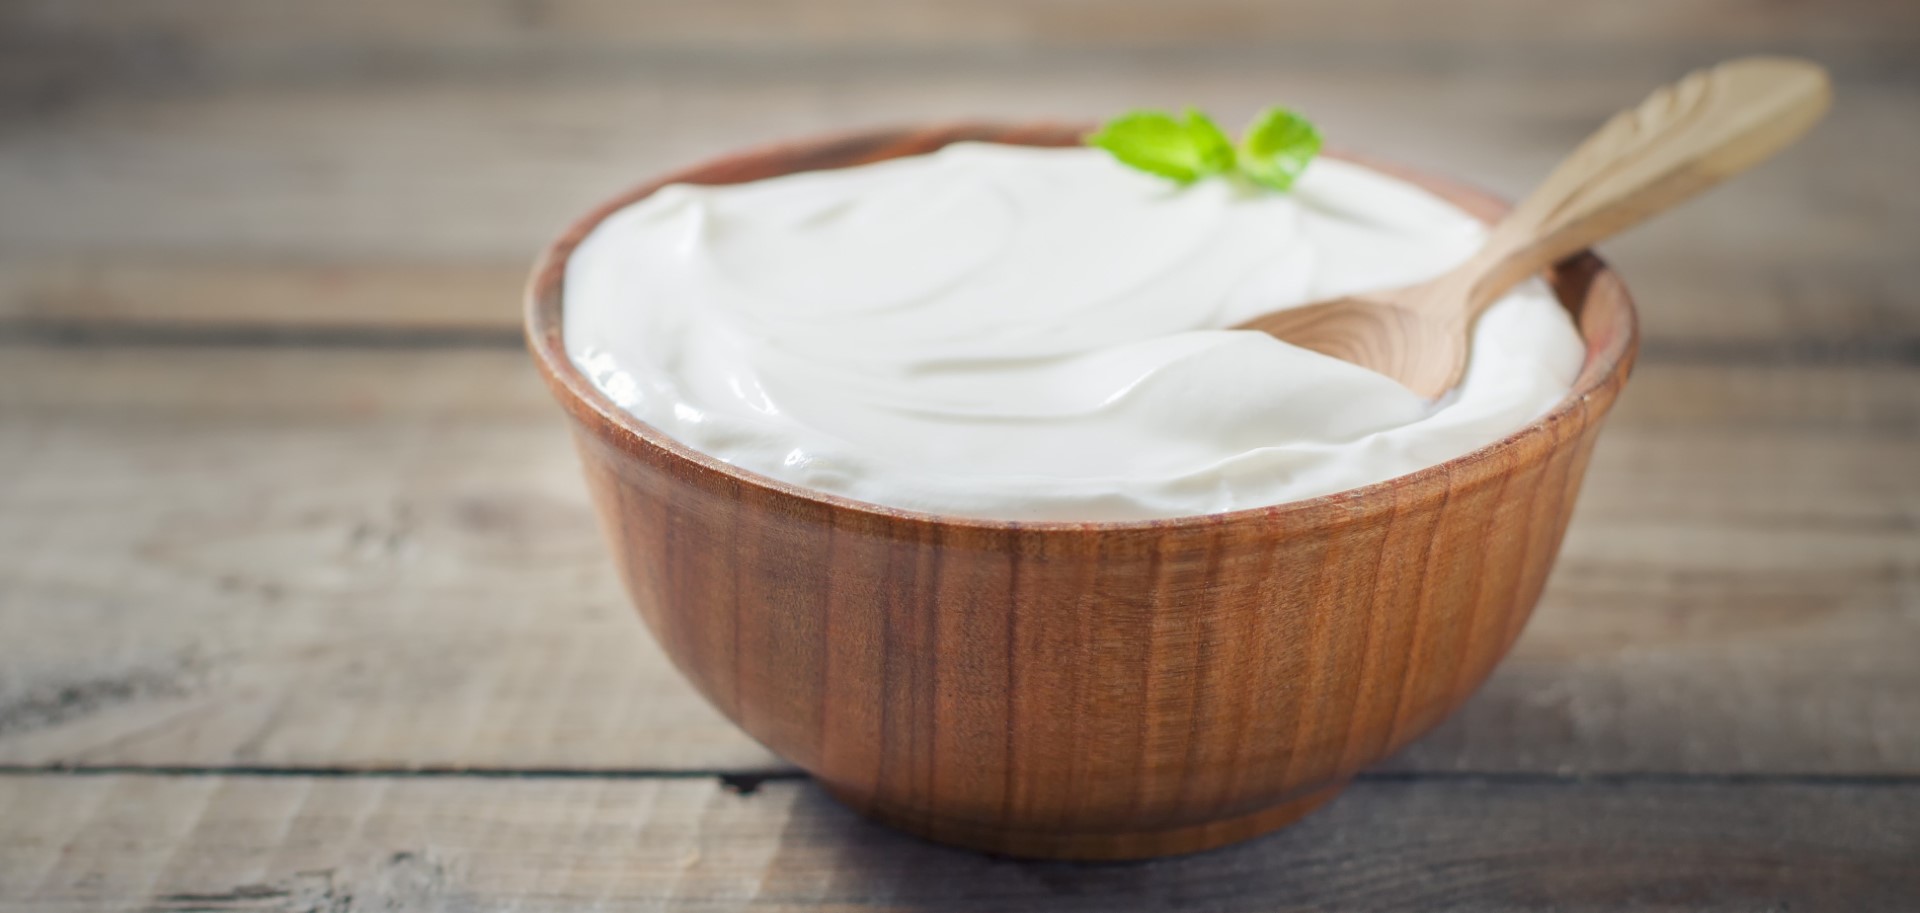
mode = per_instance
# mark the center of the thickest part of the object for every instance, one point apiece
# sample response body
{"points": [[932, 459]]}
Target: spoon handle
{"points": [[1684, 138]]}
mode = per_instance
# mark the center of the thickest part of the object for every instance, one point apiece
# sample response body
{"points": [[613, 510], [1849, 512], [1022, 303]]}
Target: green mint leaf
{"points": [[1216, 149], [1184, 150], [1277, 147]]}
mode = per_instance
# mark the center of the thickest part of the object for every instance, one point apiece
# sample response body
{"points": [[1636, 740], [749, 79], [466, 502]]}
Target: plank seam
{"points": [[749, 781], [1879, 350]]}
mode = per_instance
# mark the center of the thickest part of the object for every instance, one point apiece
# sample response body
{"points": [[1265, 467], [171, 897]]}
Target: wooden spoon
{"points": [[1683, 139]]}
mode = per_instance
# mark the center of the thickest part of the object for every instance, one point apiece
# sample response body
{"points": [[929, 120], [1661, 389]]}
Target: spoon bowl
{"points": [[1425, 349]]}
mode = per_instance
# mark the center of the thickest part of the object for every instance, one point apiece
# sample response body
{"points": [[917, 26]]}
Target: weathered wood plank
{"points": [[418, 201], [251, 31], [94, 293], [384, 558], [347, 559], [290, 843]]}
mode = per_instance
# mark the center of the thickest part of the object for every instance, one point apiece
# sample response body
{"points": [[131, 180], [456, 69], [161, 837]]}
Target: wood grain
{"points": [[285, 34], [364, 844], [1736, 595], [327, 205], [1737, 591]]}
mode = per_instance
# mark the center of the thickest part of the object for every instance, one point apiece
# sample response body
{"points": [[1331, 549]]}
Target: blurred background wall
{"points": [[207, 165]]}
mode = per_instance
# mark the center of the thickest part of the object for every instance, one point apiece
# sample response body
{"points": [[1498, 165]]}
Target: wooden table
{"points": [[301, 606]]}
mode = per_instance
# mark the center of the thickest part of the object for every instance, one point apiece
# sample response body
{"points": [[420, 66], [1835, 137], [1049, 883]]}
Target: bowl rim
{"points": [[1601, 376]]}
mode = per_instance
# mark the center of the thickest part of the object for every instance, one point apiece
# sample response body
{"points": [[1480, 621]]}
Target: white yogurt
{"points": [[1022, 333]]}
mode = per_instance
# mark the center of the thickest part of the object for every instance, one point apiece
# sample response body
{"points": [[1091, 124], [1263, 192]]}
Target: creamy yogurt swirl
{"points": [[1022, 333]]}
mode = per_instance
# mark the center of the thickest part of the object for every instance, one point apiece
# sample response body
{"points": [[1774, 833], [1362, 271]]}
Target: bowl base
{"points": [[1094, 846]]}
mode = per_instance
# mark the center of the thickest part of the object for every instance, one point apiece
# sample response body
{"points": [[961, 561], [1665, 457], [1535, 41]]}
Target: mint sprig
{"points": [[1277, 147], [1273, 151], [1157, 142]]}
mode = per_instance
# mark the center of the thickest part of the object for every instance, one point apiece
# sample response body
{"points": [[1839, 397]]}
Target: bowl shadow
{"points": [[828, 857]]}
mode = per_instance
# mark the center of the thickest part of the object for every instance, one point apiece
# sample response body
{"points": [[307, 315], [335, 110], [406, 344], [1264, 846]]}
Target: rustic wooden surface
{"points": [[300, 843], [259, 262]]}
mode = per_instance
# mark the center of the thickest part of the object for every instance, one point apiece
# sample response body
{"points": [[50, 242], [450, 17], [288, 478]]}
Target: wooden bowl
{"points": [[1081, 690]]}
